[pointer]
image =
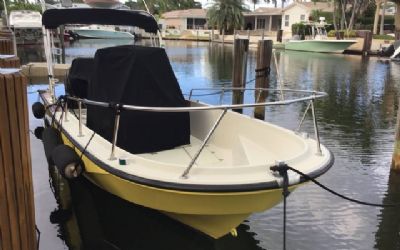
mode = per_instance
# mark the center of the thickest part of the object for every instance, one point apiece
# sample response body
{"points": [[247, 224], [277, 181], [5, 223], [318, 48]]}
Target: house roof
{"points": [[323, 6], [263, 11], [189, 13]]}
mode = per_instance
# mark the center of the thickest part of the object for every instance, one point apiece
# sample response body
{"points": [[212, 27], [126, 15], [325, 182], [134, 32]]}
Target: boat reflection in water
{"points": [[91, 218]]}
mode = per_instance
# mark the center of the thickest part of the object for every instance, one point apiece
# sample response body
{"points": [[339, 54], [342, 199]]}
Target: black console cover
{"points": [[141, 76]]}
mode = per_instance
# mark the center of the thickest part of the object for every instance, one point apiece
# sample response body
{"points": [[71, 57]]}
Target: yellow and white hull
{"points": [[213, 213], [231, 178]]}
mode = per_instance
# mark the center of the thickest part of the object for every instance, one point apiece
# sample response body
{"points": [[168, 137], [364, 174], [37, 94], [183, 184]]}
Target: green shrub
{"points": [[370, 20], [351, 33], [24, 6], [383, 37], [301, 29]]}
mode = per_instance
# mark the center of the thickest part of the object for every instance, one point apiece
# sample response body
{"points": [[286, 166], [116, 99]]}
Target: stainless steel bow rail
{"points": [[310, 98]]}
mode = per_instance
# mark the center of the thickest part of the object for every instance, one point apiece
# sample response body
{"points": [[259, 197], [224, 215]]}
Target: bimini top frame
{"points": [[53, 18]]}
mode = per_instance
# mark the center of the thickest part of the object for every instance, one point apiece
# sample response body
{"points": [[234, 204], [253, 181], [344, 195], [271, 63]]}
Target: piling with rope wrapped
{"points": [[240, 52], [264, 55]]}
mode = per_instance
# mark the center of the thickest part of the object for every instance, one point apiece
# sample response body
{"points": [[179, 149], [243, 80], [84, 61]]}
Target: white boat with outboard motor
{"points": [[127, 128], [318, 40], [100, 32]]}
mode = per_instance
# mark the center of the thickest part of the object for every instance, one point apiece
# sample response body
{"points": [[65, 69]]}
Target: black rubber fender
{"points": [[38, 110], [39, 132], [51, 139], [67, 161]]}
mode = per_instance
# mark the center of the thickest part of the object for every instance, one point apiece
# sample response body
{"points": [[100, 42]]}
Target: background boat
{"points": [[326, 46], [27, 26], [317, 39], [101, 32]]}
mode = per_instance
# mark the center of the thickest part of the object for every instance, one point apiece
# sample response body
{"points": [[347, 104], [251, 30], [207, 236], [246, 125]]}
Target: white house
{"points": [[268, 19], [190, 19], [301, 11]]}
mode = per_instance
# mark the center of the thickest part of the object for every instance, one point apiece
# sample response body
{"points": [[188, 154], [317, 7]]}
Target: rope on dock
{"points": [[38, 237]]}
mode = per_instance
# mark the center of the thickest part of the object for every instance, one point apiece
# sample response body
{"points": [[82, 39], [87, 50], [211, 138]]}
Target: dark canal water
{"points": [[356, 123]]}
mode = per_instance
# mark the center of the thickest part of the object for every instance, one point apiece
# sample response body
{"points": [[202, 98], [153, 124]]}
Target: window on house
{"points": [[195, 23], [189, 23], [302, 18], [260, 24], [286, 20]]}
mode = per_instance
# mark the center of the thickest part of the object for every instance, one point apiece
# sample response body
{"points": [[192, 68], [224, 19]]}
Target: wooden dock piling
{"points": [[8, 43], [17, 217], [264, 55], [397, 35], [396, 153], [6, 46], [12, 62], [279, 35], [240, 51], [62, 44], [367, 42]]}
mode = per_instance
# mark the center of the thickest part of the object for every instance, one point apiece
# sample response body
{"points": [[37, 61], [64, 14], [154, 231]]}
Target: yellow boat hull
{"points": [[213, 213]]}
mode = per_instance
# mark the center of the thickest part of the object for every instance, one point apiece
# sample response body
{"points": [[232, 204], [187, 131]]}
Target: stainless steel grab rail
{"points": [[311, 98]]}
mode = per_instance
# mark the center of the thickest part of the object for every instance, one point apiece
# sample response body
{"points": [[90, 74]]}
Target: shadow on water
{"points": [[387, 235], [220, 59], [105, 221]]}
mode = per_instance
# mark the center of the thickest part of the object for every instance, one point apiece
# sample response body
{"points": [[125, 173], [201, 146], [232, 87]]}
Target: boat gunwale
{"points": [[248, 187]]}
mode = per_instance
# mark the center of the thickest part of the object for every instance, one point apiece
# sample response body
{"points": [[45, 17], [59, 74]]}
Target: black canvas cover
{"points": [[78, 78], [141, 76], [53, 18]]}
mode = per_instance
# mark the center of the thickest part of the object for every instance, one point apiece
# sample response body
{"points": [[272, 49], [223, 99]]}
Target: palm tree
{"points": [[376, 19], [254, 2], [397, 15], [226, 15], [381, 30], [275, 2]]}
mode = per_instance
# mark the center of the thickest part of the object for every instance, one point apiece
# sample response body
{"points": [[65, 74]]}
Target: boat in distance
{"points": [[100, 32], [318, 40], [27, 26], [323, 46], [127, 128]]}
